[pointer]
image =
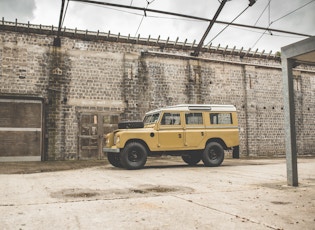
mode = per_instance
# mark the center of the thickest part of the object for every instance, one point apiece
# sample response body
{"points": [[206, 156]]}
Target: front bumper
{"points": [[111, 150]]}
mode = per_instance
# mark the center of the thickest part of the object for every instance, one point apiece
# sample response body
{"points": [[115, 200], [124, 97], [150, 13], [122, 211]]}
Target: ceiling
{"points": [[302, 51], [306, 58]]}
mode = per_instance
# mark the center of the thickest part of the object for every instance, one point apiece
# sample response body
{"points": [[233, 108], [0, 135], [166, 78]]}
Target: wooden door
{"points": [[92, 127]]}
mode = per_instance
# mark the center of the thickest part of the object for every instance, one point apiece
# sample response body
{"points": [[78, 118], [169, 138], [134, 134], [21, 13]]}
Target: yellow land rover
{"points": [[193, 131]]}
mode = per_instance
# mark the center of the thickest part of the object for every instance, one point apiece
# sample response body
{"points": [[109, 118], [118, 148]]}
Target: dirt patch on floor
{"points": [[47, 166], [141, 191]]}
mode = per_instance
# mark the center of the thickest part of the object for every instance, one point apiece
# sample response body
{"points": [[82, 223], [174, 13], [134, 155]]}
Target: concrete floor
{"points": [[166, 194]]}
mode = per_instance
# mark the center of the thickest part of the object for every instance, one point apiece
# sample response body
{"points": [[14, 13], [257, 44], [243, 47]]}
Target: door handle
{"points": [[179, 135], [202, 133]]}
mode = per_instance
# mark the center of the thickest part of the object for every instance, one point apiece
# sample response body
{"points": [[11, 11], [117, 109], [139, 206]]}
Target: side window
{"points": [[221, 118], [151, 119], [170, 119], [193, 119]]}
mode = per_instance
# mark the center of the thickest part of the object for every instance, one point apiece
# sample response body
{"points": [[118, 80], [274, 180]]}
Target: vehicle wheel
{"points": [[192, 158], [133, 156], [114, 159], [213, 154]]}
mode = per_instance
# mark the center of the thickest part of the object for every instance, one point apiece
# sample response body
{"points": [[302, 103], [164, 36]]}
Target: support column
{"points": [[289, 118]]}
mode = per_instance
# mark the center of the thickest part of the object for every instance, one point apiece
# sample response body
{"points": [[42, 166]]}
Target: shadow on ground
{"points": [[47, 166], [152, 163]]}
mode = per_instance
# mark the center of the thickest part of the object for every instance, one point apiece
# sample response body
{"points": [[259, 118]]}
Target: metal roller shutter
{"points": [[20, 130]]}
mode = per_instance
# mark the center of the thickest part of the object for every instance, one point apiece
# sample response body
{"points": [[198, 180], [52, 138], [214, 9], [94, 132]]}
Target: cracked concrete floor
{"points": [[166, 194]]}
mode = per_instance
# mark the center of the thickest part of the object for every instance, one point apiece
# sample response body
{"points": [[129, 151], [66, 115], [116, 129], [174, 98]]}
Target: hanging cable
{"points": [[228, 25], [144, 15], [185, 17], [269, 10], [278, 20], [292, 12], [268, 4], [259, 39], [257, 32]]}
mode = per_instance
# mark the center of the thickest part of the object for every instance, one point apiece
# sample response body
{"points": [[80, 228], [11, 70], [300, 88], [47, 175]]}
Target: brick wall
{"points": [[100, 76]]}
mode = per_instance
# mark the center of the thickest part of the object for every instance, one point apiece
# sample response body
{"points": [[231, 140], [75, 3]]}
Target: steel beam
{"points": [[57, 41], [196, 53]]}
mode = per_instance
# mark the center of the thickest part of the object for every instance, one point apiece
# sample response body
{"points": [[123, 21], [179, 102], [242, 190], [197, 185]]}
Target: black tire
{"points": [[213, 154], [114, 159], [133, 156], [192, 158]]}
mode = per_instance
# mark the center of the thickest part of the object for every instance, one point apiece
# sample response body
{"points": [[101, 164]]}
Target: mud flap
{"points": [[236, 152]]}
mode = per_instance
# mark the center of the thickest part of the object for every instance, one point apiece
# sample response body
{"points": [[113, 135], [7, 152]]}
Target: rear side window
{"points": [[193, 119], [170, 119], [221, 118]]}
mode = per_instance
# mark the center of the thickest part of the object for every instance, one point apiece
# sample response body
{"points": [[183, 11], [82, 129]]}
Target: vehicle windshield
{"points": [[151, 118]]}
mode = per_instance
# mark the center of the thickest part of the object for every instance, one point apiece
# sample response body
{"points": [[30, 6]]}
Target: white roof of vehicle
{"points": [[194, 107]]}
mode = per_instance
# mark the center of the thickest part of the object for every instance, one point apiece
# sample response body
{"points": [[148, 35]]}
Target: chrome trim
{"points": [[221, 127], [194, 127]]}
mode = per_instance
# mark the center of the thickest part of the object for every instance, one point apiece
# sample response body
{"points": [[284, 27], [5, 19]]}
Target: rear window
{"points": [[221, 118], [170, 119]]}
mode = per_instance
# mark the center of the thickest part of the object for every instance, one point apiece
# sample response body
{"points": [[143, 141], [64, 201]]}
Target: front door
{"points": [[195, 129], [171, 133]]}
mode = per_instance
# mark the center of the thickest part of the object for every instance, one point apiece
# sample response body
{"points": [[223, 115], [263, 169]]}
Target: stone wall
{"points": [[127, 78]]}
